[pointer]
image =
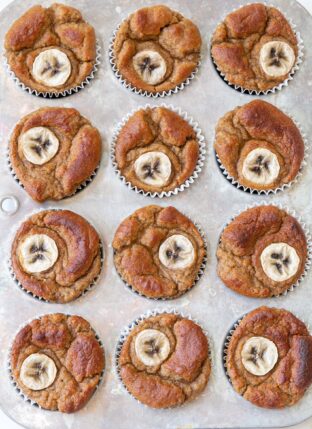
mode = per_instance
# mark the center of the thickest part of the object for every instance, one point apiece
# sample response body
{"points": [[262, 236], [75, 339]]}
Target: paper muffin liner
{"points": [[10, 372], [151, 313], [199, 165], [33, 295], [138, 91], [305, 229], [291, 74], [278, 189], [65, 92]]}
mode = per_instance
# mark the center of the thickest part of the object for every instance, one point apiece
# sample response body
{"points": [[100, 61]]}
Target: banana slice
{"points": [[51, 67], [150, 66], [259, 355], [176, 252], [37, 253], [279, 261], [261, 166], [277, 58], [39, 145], [153, 168], [38, 371], [152, 347]]}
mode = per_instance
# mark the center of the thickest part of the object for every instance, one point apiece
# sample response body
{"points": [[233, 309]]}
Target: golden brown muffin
{"points": [[156, 150], [255, 47], [53, 151], [51, 49], [158, 252], [262, 252], [156, 49], [269, 358], [57, 362], [164, 361], [259, 146], [56, 255]]}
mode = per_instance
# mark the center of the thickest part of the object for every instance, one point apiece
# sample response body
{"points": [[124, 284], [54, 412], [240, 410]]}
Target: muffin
{"points": [[57, 362], [156, 150], [262, 252], [259, 146], [56, 255], [164, 361], [53, 151], [269, 358], [255, 47], [52, 49], [158, 252], [156, 49]]}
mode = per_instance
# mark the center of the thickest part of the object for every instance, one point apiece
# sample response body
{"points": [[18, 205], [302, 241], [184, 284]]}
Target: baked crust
{"points": [[181, 377], [58, 26], [136, 243], [237, 41], [71, 343], [286, 383], [259, 124], [242, 243], [157, 129], [158, 28], [79, 260], [78, 155]]}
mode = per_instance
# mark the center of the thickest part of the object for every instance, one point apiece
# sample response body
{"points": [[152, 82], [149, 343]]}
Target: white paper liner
{"points": [[291, 74], [200, 162], [9, 368], [64, 93], [305, 229]]}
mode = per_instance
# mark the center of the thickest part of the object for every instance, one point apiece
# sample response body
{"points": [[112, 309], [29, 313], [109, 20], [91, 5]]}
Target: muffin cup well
{"points": [[189, 180]]}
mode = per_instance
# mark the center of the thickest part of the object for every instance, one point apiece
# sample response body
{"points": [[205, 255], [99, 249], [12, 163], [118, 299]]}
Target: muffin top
{"points": [[165, 361], [156, 49], [56, 255], [57, 362], [259, 146], [51, 49], [262, 252], [158, 252], [156, 150], [255, 47], [54, 150], [269, 358]]}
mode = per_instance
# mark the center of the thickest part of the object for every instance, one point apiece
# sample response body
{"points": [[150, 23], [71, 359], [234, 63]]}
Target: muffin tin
{"points": [[211, 200]]}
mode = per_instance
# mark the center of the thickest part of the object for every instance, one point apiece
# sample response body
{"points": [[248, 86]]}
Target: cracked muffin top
{"points": [[262, 252], [269, 358], [51, 49], [56, 255], [158, 252], [57, 362], [156, 150], [53, 151], [259, 145], [165, 361], [156, 49], [255, 47]]}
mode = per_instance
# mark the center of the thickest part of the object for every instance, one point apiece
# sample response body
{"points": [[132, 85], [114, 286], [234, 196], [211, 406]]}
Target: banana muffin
{"points": [[156, 150], [164, 361], [262, 252], [259, 146], [51, 49], [269, 358], [56, 255], [57, 362], [53, 151], [158, 252], [156, 49], [255, 47]]}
